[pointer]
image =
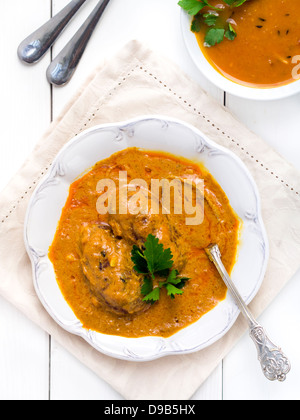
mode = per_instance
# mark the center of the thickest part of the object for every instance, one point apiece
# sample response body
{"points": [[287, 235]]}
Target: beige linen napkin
{"points": [[136, 82]]}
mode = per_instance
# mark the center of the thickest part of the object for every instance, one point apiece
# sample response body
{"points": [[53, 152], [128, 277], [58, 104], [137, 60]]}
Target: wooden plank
{"points": [[24, 357], [25, 94], [25, 111], [212, 389], [276, 122]]}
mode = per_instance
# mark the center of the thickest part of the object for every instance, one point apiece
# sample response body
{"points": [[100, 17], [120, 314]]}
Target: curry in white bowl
{"points": [[255, 43]]}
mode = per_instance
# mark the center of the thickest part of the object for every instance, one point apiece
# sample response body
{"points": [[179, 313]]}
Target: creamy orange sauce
{"points": [[268, 37], [91, 253]]}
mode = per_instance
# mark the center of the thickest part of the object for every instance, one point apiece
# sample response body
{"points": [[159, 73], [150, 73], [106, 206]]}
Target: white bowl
{"points": [[221, 81], [149, 133]]}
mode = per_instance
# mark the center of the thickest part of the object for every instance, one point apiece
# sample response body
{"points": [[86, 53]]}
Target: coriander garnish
{"points": [[216, 28], [155, 261]]}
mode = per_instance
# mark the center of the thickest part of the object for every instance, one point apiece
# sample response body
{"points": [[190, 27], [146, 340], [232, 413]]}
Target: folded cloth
{"points": [[137, 82]]}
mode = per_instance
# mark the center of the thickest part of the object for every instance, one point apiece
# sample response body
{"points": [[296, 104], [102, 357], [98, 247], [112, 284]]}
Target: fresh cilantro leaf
{"points": [[210, 19], [217, 29], [158, 258], [147, 286], [153, 296], [235, 3], [196, 23], [173, 290], [172, 278], [230, 33], [182, 282], [192, 6], [139, 260], [155, 260], [214, 36], [176, 280]]}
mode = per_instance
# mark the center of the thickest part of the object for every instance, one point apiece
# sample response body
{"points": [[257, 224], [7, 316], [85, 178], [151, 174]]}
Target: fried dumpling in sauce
{"points": [[135, 228], [109, 271]]}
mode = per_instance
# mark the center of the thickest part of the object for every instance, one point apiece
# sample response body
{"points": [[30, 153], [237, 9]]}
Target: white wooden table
{"points": [[32, 365]]}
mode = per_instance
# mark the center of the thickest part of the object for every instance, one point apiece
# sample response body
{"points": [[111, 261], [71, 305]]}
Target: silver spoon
{"points": [[64, 65], [274, 363], [34, 47]]}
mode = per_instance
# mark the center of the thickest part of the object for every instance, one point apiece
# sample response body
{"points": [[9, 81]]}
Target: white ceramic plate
{"points": [[160, 134], [221, 81]]}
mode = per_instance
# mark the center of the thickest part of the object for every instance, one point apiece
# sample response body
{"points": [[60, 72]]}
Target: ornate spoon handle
{"points": [[274, 363], [64, 65], [33, 48]]}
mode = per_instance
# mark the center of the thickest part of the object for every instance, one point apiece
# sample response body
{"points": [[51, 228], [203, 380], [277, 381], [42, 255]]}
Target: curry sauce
{"points": [[91, 252], [267, 41]]}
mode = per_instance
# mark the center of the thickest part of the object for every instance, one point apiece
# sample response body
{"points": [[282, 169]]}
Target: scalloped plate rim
{"points": [[85, 334]]}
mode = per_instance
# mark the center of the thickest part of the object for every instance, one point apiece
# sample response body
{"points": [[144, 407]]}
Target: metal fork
{"points": [[274, 363]]}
